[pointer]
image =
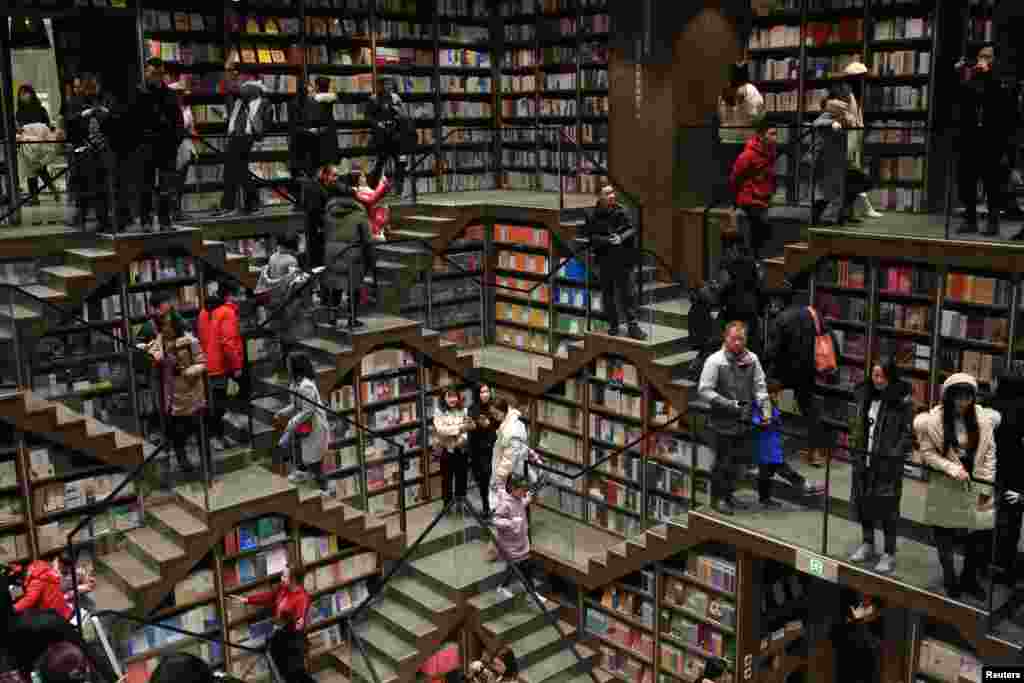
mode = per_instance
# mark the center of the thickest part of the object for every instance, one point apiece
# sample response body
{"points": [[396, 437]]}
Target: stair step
{"points": [[327, 346], [404, 250], [414, 234], [130, 570], [45, 293], [379, 634], [541, 638], [90, 254], [125, 440], [439, 220], [330, 676], [511, 617], [67, 272], [66, 416], [421, 594], [684, 358], [155, 545], [17, 312], [178, 519], [107, 596], [94, 428], [385, 672], [553, 665], [403, 618]]}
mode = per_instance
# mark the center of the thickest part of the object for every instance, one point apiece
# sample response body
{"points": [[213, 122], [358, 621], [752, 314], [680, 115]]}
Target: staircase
{"points": [[28, 412], [177, 533]]}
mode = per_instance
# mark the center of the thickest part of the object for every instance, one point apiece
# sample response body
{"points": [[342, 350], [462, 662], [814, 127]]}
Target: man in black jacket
{"points": [[987, 118], [616, 254], [249, 119], [156, 114], [89, 121], [790, 361], [314, 145], [393, 133], [1009, 401]]}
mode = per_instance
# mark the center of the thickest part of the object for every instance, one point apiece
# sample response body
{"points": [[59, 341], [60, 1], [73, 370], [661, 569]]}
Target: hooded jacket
{"points": [[510, 449], [928, 428], [43, 590], [32, 111], [222, 340], [511, 526], [753, 174]]}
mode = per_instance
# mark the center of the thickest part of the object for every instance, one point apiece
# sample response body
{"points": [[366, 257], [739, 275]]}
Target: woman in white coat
{"points": [[510, 450], [307, 422], [956, 440]]}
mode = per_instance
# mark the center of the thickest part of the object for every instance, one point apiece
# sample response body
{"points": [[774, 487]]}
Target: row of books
{"points": [[898, 98], [899, 198], [902, 28], [388, 360], [982, 328], [896, 133], [612, 492], [340, 571], [154, 636], [629, 637], [901, 63], [906, 317], [562, 445], [841, 308], [153, 20], [338, 603], [252, 535], [976, 289], [183, 53], [61, 496]]}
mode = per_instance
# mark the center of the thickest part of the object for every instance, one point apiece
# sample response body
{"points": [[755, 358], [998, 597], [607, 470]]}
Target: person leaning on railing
{"points": [[956, 440]]}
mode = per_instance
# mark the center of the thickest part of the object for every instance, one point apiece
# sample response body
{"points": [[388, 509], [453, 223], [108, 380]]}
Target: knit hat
{"points": [[855, 69], [960, 378]]}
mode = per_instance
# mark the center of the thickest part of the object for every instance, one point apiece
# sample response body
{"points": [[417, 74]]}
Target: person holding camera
{"points": [[451, 426], [613, 238], [733, 382], [987, 116]]}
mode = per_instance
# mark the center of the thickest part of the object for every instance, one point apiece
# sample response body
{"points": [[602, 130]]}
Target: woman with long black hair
{"points": [[481, 443], [957, 442]]}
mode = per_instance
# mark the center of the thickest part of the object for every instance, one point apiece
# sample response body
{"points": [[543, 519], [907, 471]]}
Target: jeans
{"points": [[180, 428]]}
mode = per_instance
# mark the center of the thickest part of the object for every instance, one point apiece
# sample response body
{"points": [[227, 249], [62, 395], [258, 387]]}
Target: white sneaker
{"points": [[886, 564], [504, 593], [297, 477], [863, 553]]}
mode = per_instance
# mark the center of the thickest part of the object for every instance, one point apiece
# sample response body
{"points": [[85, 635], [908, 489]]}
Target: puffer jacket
{"points": [[448, 427], [511, 526], [928, 428], [379, 216], [183, 393], [753, 174], [510, 450], [222, 341], [43, 590]]}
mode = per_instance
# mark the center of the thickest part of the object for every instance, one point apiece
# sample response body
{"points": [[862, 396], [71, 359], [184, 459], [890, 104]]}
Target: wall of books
{"points": [[801, 47], [933, 320], [601, 416]]}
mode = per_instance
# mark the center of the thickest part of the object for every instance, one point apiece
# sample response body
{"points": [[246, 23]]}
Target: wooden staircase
{"points": [[28, 412], [179, 532]]}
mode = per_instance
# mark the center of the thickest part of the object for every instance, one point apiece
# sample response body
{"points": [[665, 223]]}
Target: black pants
{"points": [[817, 436], [454, 471], [1008, 521], [616, 279], [236, 174], [529, 570], [888, 527], [980, 159], [765, 473], [316, 469], [219, 406], [759, 230], [977, 549], [287, 649], [33, 183], [316, 243], [389, 150], [156, 177], [94, 186], [180, 428], [480, 463], [731, 453]]}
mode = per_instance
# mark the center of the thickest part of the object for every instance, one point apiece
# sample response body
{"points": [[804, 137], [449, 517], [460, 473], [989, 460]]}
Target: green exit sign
{"points": [[817, 565]]}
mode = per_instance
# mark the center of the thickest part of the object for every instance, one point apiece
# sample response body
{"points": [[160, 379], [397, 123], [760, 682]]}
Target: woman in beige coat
{"points": [[956, 440], [181, 365]]}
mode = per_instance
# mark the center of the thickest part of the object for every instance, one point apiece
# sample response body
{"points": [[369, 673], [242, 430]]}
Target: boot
{"points": [[950, 581], [869, 210]]}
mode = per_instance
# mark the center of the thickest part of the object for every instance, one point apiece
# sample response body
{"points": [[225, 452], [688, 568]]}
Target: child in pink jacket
{"points": [[513, 534]]}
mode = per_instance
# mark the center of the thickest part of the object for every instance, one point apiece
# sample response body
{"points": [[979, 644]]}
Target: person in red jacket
{"points": [[222, 343], [290, 603], [42, 584], [753, 180]]}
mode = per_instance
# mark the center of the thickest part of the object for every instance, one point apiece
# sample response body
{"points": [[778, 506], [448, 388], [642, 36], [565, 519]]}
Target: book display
{"points": [[802, 47], [15, 537], [933, 321], [605, 411], [456, 295]]}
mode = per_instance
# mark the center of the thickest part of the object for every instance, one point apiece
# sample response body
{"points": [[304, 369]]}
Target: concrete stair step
{"points": [[511, 618], [529, 647], [107, 596], [406, 250], [178, 519], [45, 293], [676, 359], [403, 618], [330, 676], [155, 545], [88, 254], [18, 313], [414, 591], [327, 346], [129, 570], [563, 662], [379, 634], [67, 273], [408, 234], [361, 670]]}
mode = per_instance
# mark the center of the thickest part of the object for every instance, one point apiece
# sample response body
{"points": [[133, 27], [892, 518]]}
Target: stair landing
{"points": [[236, 489], [460, 567], [509, 361], [513, 198]]}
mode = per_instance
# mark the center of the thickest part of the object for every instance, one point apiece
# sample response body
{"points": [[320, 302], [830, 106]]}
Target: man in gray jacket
{"points": [[733, 382]]}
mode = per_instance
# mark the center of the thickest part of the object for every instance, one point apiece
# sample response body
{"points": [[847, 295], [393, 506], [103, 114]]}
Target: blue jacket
{"points": [[768, 443]]}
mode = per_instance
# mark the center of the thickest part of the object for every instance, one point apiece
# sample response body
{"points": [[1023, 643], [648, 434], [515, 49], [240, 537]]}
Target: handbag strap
{"points": [[817, 323]]}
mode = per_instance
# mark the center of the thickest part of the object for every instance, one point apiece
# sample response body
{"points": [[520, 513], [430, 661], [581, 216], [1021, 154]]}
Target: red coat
{"points": [[753, 174], [221, 340], [290, 603], [380, 216], [43, 591]]}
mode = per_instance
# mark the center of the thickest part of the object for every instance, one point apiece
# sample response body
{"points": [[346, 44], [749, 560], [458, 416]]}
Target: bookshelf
{"points": [[940, 655], [16, 544], [801, 46], [454, 302]]}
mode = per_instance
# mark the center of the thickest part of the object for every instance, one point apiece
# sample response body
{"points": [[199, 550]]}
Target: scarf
{"points": [[740, 359]]}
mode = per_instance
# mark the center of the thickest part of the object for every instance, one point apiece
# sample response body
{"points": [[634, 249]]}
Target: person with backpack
{"points": [[733, 382], [791, 361]]}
